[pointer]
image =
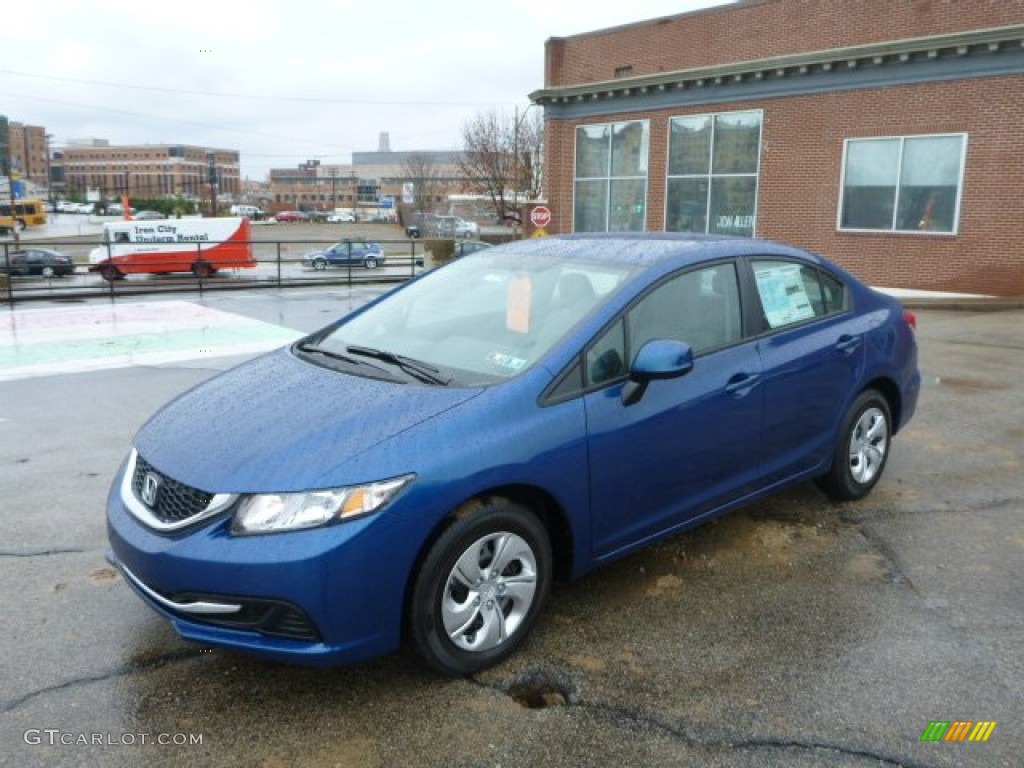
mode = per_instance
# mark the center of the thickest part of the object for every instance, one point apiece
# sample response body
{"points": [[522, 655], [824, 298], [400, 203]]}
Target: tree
{"points": [[421, 170], [501, 158]]}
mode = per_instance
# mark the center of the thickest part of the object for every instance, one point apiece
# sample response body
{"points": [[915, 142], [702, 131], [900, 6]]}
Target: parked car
{"points": [[354, 253], [291, 216], [425, 466], [341, 217], [149, 215], [38, 261], [466, 247], [316, 215]]}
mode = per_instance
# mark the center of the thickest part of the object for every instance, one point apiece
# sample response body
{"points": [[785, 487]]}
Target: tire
{"points": [[465, 616], [861, 450], [48, 271], [320, 264], [370, 263], [19, 225], [202, 269], [110, 273]]}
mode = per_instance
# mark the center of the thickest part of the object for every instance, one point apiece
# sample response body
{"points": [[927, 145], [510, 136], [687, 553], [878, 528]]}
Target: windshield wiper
{"points": [[310, 347], [424, 372]]}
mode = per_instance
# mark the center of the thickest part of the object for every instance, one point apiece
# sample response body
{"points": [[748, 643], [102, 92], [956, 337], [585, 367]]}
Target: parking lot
{"points": [[278, 250], [798, 632]]}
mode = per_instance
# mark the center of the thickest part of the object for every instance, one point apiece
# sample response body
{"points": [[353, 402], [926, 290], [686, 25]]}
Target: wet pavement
{"points": [[798, 632]]}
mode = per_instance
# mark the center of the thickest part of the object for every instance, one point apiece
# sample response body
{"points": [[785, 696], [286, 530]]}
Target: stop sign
{"points": [[540, 216]]}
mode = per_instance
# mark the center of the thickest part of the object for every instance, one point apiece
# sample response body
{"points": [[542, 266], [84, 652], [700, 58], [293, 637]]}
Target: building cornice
{"points": [[891, 54]]}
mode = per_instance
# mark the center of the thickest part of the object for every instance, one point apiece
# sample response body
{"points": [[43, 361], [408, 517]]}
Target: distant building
{"points": [[886, 135], [25, 152], [371, 178], [149, 170]]}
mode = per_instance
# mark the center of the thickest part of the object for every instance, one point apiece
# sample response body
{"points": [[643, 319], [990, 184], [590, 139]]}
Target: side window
{"points": [[791, 292], [700, 307], [606, 357]]}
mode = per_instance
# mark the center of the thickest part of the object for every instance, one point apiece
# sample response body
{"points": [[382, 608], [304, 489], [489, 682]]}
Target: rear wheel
{"points": [[480, 588], [48, 271], [862, 448], [110, 273], [19, 225]]}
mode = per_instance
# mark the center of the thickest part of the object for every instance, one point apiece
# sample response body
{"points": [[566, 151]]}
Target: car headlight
{"points": [[271, 512]]}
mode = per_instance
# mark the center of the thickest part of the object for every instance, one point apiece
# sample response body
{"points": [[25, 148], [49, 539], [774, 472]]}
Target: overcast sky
{"points": [[283, 81]]}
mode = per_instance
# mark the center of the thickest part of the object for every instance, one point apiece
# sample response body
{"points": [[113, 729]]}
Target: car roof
{"points": [[647, 249]]}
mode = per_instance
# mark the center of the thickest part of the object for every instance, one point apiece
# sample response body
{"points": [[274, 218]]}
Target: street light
{"points": [[517, 169]]}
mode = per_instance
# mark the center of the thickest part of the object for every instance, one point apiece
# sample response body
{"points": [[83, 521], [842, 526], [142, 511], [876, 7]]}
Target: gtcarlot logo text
{"points": [[56, 737]]}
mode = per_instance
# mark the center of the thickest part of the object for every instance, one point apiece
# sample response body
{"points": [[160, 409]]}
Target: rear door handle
{"points": [[848, 343], [741, 383]]}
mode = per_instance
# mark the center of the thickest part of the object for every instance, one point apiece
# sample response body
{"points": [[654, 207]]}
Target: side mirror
{"points": [[657, 359]]}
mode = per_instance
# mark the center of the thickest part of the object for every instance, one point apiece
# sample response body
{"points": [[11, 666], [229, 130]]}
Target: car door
{"points": [[689, 444], [812, 350], [33, 264]]}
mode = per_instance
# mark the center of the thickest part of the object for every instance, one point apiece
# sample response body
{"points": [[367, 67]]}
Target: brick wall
{"points": [[801, 158], [759, 29], [802, 139]]}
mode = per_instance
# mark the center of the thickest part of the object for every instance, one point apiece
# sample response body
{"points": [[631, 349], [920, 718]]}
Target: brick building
{"points": [[887, 135], [148, 170], [27, 148]]}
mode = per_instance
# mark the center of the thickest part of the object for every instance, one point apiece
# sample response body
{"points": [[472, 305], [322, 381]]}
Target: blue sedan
{"points": [[355, 253], [424, 467]]}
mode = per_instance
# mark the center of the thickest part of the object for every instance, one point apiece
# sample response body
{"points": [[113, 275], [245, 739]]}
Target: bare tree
{"points": [[501, 158], [422, 171]]}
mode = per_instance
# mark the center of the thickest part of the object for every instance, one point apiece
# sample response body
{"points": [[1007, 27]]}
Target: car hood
{"points": [[279, 423]]}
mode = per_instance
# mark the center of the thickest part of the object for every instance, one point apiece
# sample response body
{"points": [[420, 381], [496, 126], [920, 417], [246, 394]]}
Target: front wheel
{"points": [[202, 269], [19, 225], [370, 262], [48, 271], [480, 588], [319, 263], [862, 448]]}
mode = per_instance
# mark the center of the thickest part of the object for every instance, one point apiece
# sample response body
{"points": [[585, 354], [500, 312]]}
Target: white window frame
{"points": [[892, 230], [608, 177], [710, 175]]}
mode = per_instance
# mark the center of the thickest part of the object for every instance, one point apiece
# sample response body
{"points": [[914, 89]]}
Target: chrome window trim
{"points": [[141, 512]]}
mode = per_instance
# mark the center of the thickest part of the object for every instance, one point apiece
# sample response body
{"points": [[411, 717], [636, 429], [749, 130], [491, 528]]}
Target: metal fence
{"points": [[279, 264]]}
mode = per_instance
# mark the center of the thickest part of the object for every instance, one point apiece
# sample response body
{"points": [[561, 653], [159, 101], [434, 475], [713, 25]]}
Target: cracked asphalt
{"points": [[797, 632]]}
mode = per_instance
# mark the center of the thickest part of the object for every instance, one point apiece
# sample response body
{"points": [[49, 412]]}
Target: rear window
{"points": [[792, 292]]}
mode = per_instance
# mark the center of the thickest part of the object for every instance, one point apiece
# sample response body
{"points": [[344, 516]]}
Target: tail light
{"points": [[910, 318]]}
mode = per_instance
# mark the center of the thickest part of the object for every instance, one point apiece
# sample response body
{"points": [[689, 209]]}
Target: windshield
{"points": [[481, 319]]}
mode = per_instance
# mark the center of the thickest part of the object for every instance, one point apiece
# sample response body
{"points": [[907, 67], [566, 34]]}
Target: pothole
{"points": [[539, 690]]}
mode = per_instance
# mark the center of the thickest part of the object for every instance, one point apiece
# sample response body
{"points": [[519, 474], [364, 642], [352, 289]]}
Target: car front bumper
{"points": [[318, 597]]}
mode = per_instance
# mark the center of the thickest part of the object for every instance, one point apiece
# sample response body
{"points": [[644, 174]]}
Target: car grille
{"points": [[175, 502]]}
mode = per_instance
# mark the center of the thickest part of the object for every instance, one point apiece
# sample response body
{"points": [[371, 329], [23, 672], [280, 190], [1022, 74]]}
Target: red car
{"points": [[291, 216]]}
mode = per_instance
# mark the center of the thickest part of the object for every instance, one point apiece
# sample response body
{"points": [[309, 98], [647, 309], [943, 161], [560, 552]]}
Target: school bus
{"points": [[23, 213]]}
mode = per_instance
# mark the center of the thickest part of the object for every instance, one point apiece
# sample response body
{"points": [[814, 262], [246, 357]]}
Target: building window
{"points": [[713, 165], [611, 177], [903, 183]]}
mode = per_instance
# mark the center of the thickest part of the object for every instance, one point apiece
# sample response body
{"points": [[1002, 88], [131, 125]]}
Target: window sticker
{"points": [[506, 361], [783, 295], [517, 313]]}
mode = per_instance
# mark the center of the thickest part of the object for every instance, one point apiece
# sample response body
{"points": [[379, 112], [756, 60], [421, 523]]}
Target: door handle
{"points": [[848, 343], [741, 383]]}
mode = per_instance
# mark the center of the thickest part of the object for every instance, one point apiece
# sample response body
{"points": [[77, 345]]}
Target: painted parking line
{"points": [[43, 342]]}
